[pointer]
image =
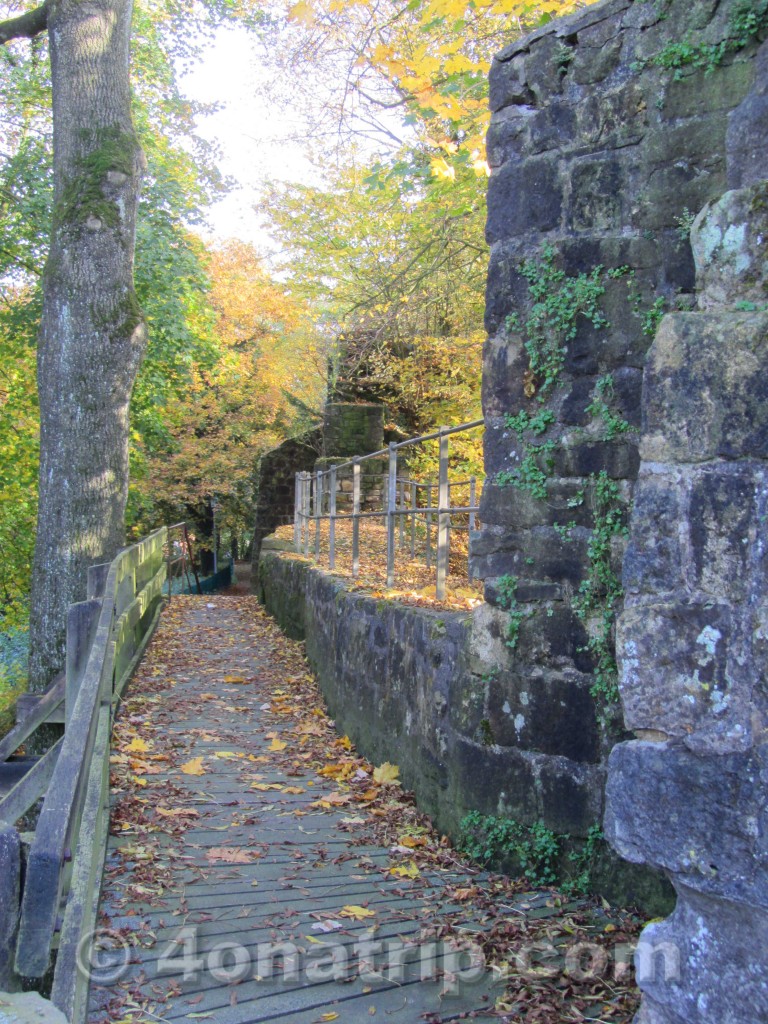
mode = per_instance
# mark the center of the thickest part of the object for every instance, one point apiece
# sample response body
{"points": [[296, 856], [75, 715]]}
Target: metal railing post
{"points": [[391, 510], [318, 510], [332, 518], [430, 490], [403, 506], [356, 516], [297, 513], [307, 509], [443, 520], [413, 520], [472, 520]]}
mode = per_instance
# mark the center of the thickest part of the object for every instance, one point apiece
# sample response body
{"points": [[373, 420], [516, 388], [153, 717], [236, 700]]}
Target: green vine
{"points": [[506, 587], [600, 593], [558, 302], [583, 862], [747, 21], [534, 849], [603, 407]]}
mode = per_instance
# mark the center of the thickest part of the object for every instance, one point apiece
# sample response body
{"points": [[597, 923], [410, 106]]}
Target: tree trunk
{"points": [[92, 334]]}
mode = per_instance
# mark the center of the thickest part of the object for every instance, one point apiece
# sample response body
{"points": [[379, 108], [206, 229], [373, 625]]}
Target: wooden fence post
{"points": [[391, 510], [10, 899], [97, 579], [82, 620], [443, 519]]}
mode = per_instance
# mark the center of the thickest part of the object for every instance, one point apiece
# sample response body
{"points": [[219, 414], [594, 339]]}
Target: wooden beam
{"points": [[47, 703], [31, 787], [70, 983]]}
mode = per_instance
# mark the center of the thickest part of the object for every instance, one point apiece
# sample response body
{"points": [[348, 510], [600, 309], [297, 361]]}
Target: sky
{"points": [[252, 138]]}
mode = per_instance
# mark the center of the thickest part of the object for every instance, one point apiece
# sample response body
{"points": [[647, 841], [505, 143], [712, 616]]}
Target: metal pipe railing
{"points": [[399, 504]]}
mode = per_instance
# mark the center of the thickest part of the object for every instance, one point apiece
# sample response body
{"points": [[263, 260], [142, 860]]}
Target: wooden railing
{"points": [[57, 905], [316, 492]]}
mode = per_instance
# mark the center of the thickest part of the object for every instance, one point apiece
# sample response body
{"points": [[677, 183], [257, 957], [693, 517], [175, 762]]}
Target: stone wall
{"points": [[689, 795], [601, 155], [399, 681], [276, 487], [610, 131]]}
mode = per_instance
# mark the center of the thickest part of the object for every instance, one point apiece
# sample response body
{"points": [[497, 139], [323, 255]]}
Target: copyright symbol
{"points": [[103, 956]]}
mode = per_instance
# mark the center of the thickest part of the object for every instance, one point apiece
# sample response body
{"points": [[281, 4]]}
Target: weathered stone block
{"points": [[701, 818], [608, 121], [522, 197], [619, 459], [729, 248], [681, 672], [699, 95], [706, 391], [596, 56], [596, 198], [540, 553], [552, 128], [653, 560], [570, 793], [705, 963], [507, 136], [507, 84], [748, 130], [536, 710], [504, 364], [722, 518]]}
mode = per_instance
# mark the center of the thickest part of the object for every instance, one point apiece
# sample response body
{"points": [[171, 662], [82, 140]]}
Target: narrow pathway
{"points": [[259, 870]]}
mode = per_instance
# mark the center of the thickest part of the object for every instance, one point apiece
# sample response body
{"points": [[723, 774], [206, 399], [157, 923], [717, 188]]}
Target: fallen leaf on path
{"points": [[194, 767], [277, 745], [232, 855], [386, 774], [356, 913], [137, 744]]}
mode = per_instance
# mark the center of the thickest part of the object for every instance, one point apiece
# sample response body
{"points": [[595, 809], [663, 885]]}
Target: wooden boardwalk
{"points": [[226, 890], [257, 869]]}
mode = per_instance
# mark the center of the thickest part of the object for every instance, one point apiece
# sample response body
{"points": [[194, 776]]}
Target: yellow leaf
{"points": [[277, 745], [137, 745], [234, 679], [356, 913], [328, 1016], [194, 767], [406, 870], [412, 841], [292, 789], [302, 12], [386, 773]]}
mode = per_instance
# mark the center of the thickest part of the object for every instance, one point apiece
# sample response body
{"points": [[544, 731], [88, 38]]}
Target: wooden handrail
{"points": [[129, 609]]}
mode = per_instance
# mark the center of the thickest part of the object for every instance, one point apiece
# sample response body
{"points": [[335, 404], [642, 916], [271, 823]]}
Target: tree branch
{"points": [[26, 26]]}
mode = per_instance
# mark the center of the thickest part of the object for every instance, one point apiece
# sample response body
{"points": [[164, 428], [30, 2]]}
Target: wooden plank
{"points": [[47, 703], [70, 985], [10, 881], [130, 668], [31, 787], [57, 824]]}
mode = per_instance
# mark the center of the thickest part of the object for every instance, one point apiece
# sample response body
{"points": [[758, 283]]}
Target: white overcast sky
{"points": [[251, 137]]}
